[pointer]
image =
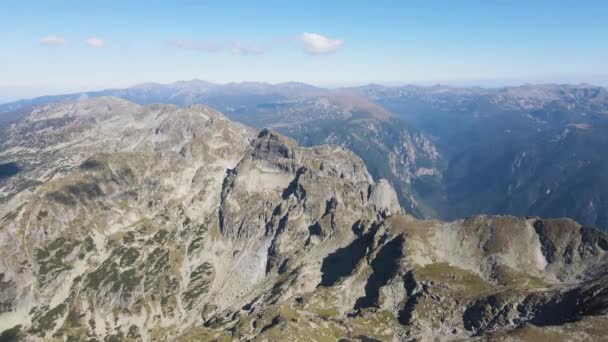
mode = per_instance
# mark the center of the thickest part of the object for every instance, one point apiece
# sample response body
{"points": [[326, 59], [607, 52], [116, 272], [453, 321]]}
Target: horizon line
{"points": [[490, 83]]}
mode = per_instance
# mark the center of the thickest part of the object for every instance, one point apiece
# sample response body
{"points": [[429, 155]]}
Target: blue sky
{"points": [[56, 46]]}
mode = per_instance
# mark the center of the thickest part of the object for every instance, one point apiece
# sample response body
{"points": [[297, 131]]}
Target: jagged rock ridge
{"points": [[162, 223]]}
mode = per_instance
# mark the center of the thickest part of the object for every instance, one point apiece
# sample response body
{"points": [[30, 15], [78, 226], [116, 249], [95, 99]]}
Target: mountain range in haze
{"points": [[450, 152]]}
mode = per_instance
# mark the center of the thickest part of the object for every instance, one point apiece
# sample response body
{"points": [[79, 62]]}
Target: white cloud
{"points": [[196, 45], [316, 44], [95, 42], [241, 49], [52, 40]]}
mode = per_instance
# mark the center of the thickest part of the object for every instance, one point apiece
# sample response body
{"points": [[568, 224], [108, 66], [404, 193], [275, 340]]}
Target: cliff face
{"points": [[124, 222]]}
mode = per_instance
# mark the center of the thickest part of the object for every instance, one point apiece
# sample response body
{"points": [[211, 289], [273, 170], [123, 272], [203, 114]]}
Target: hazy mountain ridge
{"points": [[483, 134], [418, 137], [179, 93], [556, 173], [159, 222], [390, 148]]}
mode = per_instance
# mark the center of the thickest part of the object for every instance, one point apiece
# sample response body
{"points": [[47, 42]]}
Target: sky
{"points": [[52, 46]]}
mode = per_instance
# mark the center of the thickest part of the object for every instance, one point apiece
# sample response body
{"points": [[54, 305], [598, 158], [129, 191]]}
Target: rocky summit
{"points": [[121, 222]]}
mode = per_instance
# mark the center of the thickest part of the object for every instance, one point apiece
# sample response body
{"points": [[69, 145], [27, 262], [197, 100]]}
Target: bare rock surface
{"points": [[128, 222]]}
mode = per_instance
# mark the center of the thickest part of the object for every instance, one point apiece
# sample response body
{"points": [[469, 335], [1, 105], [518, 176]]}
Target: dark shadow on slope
{"points": [[343, 261], [384, 266], [548, 308], [275, 321], [315, 229], [70, 194], [588, 300], [409, 284], [11, 335], [358, 228], [9, 169], [295, 187]]}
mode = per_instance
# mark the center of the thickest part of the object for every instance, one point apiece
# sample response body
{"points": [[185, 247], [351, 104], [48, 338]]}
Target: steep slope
{"points": [[458, 118], [125, 218], [440, 163], [124, 222], [390, 148], [312, 116], [528, 150], [558, 173]]}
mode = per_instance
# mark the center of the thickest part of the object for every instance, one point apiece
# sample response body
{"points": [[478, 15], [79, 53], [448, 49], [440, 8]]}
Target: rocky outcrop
{"points": [[163, 223]]}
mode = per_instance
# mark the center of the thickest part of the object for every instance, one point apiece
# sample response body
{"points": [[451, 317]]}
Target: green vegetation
{"points": [[42, 214], [44, 321], [128, 238], [4, 284], [128, 280], [203, 334], [161, 236], [119, 337], [199, 234], [129, 257], [463, 282], [104, 274], [323, 302], [73, 328], [89, 244], [11, 335], [133, 333], [506, 276], [282, 323], [51, 261], [374, 325], [199, 283]]}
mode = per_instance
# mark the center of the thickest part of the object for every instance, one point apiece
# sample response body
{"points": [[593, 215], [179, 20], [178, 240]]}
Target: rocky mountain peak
{"points": [[127, 222], [274, 148]]}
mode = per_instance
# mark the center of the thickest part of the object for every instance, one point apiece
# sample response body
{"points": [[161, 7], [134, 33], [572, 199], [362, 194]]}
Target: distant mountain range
{"points": [[528, 150], [390, 148], [449, 152]]}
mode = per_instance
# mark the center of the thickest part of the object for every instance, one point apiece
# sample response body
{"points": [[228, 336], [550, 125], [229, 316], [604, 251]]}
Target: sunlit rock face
{"points": [[128, 222]]}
